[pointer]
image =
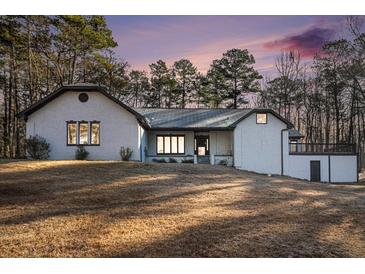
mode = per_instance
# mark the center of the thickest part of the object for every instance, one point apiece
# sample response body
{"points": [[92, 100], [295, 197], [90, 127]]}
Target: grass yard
{"points": [[116, 209]]}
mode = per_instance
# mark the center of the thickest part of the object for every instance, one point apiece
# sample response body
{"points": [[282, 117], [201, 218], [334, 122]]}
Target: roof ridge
{"points": [[192, 108]]}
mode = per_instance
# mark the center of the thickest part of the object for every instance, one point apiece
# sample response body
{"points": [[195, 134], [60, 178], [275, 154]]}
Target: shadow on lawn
{"points": [[270, 232], [89, 188], [270, 217]]}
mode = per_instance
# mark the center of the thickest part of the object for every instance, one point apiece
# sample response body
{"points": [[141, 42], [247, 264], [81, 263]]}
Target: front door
{"points": [[315, 169], [201, 145]]}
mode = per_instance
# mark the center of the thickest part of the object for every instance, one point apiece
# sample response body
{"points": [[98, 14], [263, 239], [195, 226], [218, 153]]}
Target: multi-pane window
{"points": [[83, 133], [261, 118], [170, 144]]}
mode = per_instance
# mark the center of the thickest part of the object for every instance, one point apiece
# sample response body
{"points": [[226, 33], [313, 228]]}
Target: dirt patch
{"points": [[116, 209]]}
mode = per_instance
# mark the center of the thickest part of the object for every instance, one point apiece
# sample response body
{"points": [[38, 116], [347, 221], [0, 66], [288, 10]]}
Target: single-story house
{"points": [[258, 140]]}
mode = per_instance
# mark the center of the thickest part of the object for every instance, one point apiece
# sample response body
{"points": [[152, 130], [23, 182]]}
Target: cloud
{"points": [[308, 42]]}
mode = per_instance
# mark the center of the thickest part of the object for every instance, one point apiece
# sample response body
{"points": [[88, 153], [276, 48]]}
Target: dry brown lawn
{"points": [[116, 209]]}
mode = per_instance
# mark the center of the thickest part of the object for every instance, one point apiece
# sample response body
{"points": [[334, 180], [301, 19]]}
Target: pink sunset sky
{"points": [[143, 40]]}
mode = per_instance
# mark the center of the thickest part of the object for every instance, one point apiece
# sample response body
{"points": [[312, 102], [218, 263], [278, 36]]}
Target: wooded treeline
{"points": [[326, 101], [39, 53]]}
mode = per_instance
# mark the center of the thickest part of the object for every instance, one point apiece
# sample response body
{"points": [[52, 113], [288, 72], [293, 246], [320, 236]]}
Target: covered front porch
{"points": [[198, 147]]}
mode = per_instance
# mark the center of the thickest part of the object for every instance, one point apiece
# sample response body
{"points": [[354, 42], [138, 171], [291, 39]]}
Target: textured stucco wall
{"points": [[118, 127]]}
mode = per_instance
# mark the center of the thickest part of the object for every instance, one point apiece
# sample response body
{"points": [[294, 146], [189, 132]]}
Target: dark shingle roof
{"points": [[191, 118]]}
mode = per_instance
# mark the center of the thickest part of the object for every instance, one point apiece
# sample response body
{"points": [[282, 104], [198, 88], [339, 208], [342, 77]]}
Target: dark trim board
{"points": [[200, 129], [264, 110], [143, 121], [323, 153], [78, 88]]}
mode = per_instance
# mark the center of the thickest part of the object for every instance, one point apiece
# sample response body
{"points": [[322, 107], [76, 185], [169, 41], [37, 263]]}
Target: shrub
{"points": [[81, 153], [223, 162], [125, 153], [188, 161], [172, 160], [37, 147], [159, 160]]}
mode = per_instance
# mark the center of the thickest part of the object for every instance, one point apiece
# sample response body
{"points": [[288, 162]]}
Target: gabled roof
{"points": [[264, 110], [157, 118], [78, 87], [199, 118]]}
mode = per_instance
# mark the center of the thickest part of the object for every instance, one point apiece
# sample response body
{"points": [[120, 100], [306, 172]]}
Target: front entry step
{"points": [[203, 159]]}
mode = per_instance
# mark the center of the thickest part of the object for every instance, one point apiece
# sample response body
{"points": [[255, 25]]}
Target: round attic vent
{"points": [[83, 97]]}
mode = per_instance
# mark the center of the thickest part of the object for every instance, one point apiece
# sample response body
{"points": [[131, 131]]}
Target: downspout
{"points": [[358, 164], [357, 167], [282, 151], [329, 168]]}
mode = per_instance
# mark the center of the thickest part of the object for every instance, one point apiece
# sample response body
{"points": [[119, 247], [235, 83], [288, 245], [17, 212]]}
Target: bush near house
{"points": [[159, 160], [125, 153], [223, 162], [172, 160], [81, 153], [37, 147], [187, 161]]}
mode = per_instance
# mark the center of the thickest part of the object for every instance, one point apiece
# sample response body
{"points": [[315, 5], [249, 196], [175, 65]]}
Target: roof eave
{"points": [[191, 128], [258, 110], [25, 113]]}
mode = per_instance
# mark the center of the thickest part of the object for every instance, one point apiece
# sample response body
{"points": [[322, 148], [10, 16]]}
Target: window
{"points": [[170, 144], [167, 145], [160, 149], [181, 144], [174, 148], [95, 133], [71, 133], [83, 133], [83, 97], [261, 118]]}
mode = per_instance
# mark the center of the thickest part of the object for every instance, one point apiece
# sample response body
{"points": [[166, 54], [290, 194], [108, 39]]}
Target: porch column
{"points": [[195, 159], [212, 159]]}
